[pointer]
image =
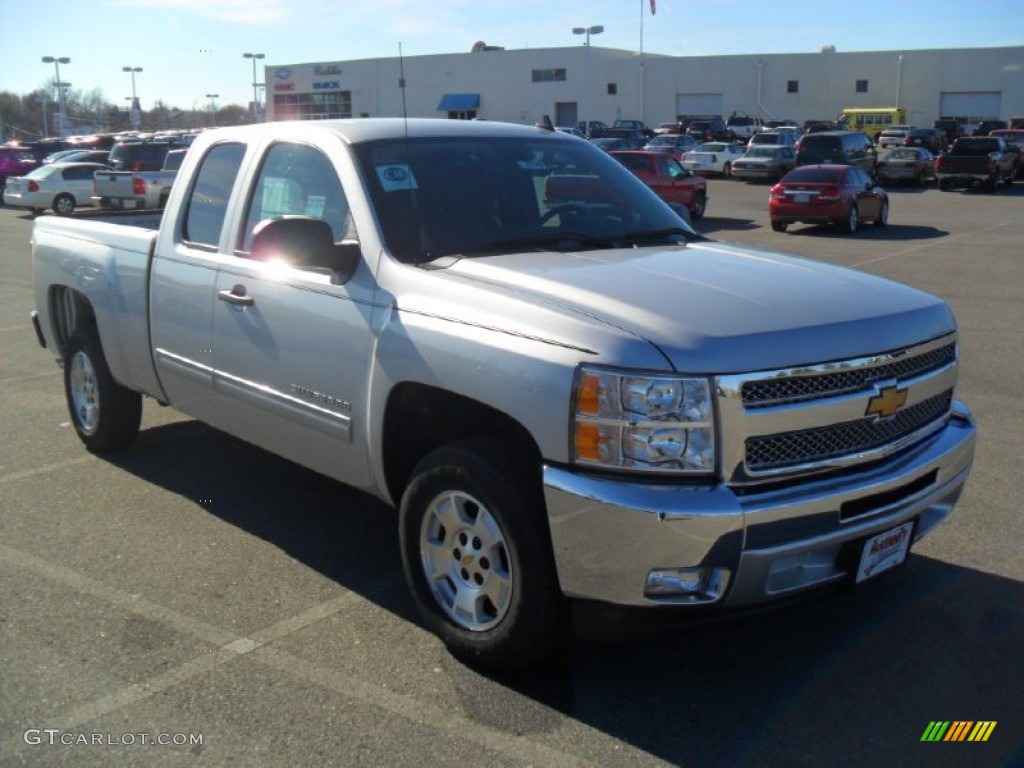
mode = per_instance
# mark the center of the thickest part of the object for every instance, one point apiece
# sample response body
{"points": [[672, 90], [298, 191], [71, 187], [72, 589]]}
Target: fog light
{"points": [[690, 585]]}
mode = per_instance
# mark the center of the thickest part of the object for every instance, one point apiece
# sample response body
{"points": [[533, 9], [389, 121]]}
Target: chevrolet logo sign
{"points": [[886, 402]]}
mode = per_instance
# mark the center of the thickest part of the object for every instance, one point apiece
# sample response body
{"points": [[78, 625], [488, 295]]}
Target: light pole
{"points": [[597, 29], [57, 61], [213, 107], [136, 113], [255, 85]]}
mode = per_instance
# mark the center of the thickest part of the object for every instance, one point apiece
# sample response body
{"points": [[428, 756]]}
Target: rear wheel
{"points": [[779, 226], [63, 204], [852, 219], [727, 170], [477, 555], [105, 415]]}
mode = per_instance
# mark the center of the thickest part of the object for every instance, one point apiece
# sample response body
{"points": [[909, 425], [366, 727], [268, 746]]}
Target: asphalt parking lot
{"points": [[199, 587]]}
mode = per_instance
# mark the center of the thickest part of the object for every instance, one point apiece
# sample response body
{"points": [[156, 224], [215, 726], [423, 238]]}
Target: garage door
{"points": [[975, 105], [699, 104]]}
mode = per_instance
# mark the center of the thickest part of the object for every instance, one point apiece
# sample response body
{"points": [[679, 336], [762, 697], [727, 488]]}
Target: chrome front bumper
{"points": [[609, 534]]}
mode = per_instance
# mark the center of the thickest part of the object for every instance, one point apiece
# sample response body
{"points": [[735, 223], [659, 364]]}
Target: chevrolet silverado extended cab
{"points": [[574, 400], [977, 160]]}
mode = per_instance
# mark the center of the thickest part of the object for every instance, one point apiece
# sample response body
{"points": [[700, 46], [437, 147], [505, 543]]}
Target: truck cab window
{"points": [[208, 202], [297, 179]]}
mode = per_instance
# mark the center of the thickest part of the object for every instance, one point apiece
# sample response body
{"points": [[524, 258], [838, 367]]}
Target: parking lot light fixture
{"points": [[57, 61], [136, 112], [255, 85], [596, 29]]}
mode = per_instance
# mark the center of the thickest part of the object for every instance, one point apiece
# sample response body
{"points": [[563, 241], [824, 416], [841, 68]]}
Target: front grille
{"points": [[795, 389], [790, 449]]}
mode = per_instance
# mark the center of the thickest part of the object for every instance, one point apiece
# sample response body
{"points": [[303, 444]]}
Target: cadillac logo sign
{"points": [[329, 69], [885, 404]]}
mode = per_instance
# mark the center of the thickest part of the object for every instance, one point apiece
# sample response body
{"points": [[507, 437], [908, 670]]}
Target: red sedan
{"points": [[827, 194]]}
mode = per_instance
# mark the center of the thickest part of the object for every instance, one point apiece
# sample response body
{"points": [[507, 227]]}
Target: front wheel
{"points": [[883, 215], [63, 204], [700, 205], [727, 170], [106, 416], [477, 555]]}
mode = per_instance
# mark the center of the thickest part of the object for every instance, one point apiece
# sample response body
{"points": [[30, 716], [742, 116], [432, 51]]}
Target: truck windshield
{"points": [[463, 197]]}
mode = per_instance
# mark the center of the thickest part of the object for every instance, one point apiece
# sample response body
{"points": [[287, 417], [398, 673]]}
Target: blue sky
{"points": [[189, 48]]}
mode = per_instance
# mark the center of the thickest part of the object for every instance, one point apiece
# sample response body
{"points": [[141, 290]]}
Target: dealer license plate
{"points": [[884, 551]]}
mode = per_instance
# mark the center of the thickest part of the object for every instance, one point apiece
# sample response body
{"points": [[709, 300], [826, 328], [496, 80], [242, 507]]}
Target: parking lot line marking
{"points": [[922, 246], [29, 376], [12, 328], [231, 647], [14, 476]]}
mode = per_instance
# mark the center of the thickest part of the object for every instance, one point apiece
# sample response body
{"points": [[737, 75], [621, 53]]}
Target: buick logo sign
{"points": [[283, 73]]}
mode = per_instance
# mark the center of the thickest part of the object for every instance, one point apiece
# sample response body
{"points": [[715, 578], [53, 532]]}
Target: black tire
{"points": [[992, 185], [498, 546], [106, 416], [63, 204], [944, 184], [727, 170], [852, 220], [779, 226], [883, 215], [700, 205]]}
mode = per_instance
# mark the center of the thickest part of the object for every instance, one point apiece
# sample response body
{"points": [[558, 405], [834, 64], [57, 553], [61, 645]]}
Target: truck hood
{"points": [[722, 308]]}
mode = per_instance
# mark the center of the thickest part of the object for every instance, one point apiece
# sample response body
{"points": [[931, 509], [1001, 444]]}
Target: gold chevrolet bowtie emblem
{"points": [[886, 402]]}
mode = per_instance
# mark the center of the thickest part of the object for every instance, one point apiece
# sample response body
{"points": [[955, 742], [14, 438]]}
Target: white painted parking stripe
{"points": [[230, 647]]}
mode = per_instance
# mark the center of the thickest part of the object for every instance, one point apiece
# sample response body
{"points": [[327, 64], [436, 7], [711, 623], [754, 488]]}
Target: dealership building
{"points": [[593, 83]]}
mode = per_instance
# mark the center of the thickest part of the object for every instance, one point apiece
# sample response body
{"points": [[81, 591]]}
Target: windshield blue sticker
{"points": [[395, 177]]}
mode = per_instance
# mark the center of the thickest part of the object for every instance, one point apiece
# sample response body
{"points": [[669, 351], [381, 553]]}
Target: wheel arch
{"points": [[419, 418], [69, 312]]}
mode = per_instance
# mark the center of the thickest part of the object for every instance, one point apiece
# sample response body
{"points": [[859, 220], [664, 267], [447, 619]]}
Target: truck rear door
{"points": [[182, 286]]}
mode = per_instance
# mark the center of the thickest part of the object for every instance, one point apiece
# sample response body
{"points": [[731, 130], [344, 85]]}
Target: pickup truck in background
{"points": [[580, 407], [977, 161], [669, 180], [128, 190]]}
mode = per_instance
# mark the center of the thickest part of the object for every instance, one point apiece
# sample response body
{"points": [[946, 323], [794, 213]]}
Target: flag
{"points": [[652, 7]]}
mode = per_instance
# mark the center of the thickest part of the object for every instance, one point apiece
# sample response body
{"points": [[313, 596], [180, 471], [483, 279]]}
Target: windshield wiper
{"points": [[672, 235], [547, 241]]}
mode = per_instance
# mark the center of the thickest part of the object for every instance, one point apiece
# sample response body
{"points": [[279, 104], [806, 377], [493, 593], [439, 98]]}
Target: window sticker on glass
{"points": [[315, 206], [396, 176]]}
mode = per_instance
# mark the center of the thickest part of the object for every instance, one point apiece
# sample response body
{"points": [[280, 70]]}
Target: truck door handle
{"points": [[237, 296]]}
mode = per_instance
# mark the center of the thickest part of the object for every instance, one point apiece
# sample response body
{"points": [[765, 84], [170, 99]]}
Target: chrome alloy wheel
{"points": [[466, 561], [85, 395]]}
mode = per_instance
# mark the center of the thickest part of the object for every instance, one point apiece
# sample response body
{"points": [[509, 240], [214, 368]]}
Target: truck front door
{"points": [[291, 349]]}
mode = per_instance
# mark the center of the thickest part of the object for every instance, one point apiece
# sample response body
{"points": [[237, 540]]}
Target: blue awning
{"points": [[452, 102]]}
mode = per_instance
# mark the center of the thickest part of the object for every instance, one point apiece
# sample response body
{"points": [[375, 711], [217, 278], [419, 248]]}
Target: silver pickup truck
{"points": [[131, 190], [580, 406]]}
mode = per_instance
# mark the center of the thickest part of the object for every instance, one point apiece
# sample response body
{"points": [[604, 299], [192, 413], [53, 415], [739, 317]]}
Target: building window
{"points": [[613, 88], [548, 75], [313, 106], [862, 86], [792, 86], [461, 114]]}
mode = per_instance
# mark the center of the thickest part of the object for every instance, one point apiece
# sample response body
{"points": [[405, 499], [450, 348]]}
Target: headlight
{"points": [[649, 422]]}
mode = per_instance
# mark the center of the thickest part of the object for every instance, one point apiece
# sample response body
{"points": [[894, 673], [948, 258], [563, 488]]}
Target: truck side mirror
{"points": [[305, 242]]}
